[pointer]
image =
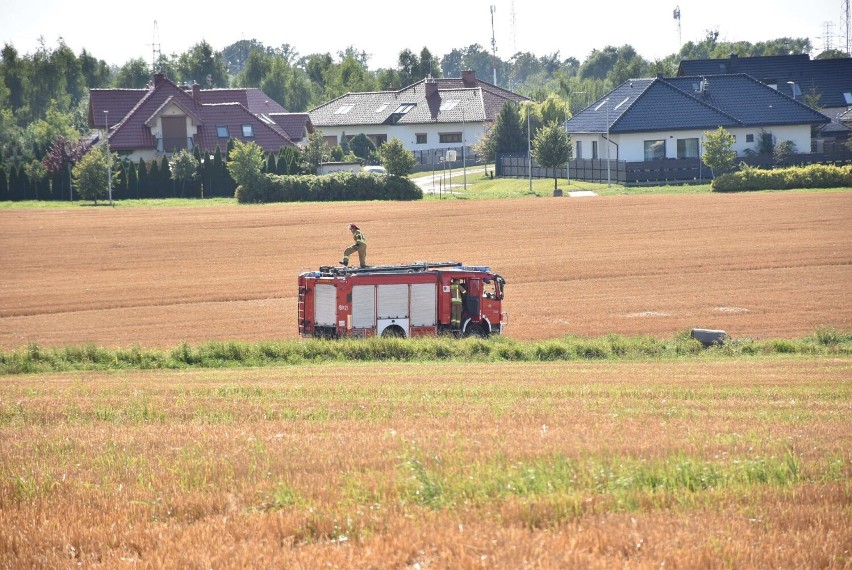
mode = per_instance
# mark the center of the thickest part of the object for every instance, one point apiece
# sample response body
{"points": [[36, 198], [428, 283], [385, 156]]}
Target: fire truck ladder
{"points": [[301, 309], [410, 267]]}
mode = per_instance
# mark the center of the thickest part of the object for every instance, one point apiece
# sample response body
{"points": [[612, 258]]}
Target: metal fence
{"points": [[669, 170]]}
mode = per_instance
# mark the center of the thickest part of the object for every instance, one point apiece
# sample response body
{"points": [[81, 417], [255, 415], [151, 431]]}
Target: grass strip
{"points": [[233, 354]]}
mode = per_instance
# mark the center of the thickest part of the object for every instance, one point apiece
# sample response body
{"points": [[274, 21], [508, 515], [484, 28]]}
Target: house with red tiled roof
{"points": [[150, 123], [435, 113]]}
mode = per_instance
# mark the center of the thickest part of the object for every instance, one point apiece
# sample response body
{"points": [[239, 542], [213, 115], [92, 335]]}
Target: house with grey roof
{"points": [[827, 83], [164, 118], [659, 118], [434, 113]]}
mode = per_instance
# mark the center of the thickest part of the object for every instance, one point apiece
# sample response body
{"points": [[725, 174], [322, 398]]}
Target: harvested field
{"points": [[756, 265], [683, 464]]}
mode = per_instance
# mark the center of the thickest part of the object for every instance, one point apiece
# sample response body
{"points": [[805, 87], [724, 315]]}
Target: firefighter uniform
{"points": [[360, 246], [456, 292]]}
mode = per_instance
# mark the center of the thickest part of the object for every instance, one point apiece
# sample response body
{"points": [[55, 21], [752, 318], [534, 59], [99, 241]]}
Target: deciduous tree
{"points": [[718, 154], [552, 147]]}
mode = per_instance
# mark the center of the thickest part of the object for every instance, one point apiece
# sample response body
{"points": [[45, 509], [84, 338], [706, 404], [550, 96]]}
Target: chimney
{"points": [[469, 78], [158, 79], [196, 93], [431, 88]]}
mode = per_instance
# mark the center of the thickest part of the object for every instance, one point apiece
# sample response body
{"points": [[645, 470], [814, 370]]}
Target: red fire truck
{"points": [[399, 300]]}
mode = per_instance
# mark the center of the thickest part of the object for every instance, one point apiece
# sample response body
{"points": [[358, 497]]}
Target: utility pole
{"points": [[108, 156], [677, 17], [493, 45]]}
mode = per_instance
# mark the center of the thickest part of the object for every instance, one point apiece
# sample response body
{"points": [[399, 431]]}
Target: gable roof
{"points": [[129, 124], [831, 78], [692, 103], [431, 100], [295, 125]]}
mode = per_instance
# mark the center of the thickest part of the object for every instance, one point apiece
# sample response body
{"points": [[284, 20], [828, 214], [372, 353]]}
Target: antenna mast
{"points": [[846, 25], [826, 38], [677, 17], [155, 48], [493, 45]]}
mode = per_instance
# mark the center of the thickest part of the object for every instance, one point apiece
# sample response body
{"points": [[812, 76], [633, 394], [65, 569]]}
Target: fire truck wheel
{"points": [[475, 331], [393, 331]]}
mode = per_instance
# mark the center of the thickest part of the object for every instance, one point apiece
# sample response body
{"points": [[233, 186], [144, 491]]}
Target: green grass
{"points": [[119, 203], [627, 482], [233, 354]]}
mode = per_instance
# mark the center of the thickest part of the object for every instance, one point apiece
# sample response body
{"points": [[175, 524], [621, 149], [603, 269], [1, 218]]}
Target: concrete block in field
{"points": [[709, 337]]}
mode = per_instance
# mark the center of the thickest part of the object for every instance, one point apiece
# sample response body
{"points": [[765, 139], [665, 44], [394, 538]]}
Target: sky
{"points": [[119, 31]]}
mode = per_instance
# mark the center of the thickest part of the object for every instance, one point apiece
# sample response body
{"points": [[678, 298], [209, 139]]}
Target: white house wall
{"points": [[407, 134], [631, 146]]}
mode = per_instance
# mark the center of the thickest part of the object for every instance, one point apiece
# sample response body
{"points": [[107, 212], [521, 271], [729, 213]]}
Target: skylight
{"points": [[848, 96], [381, 107], [626, 99], [404, 108], [449, 104], [344, 109]]}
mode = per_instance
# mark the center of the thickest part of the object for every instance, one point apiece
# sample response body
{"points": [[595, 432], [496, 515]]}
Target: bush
{"points": [[338, 186], [811, 176]]}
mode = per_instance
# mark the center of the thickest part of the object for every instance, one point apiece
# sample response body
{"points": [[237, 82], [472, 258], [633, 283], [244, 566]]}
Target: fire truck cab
{"points": [[399, 300]]}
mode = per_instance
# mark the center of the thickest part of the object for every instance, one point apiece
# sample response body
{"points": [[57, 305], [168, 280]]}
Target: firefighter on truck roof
{"points": [[360, 246]]}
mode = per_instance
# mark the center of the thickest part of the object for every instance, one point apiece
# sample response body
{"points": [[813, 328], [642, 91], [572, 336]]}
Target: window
{"points": [[222, 131], [449, 105], [749, 138], [450, 137], [404, 108], [579, 149], [343, 109], [421, 138], [847, 96], [655, 150], [248, 131], [594, 149], [687, 148]]}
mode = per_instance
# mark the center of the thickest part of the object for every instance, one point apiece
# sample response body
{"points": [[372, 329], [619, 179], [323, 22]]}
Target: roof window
{"points": [[449, 104], [248, 131], [847, 95], [404, 108], [222, 131], [626, 99], [381, 107], [344, 109]]}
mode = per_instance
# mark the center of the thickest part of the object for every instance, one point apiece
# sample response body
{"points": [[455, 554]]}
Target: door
{"points": [[363, 306], [325, 305]]}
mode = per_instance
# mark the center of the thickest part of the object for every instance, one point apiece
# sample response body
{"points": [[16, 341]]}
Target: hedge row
{"points": [[335, 187], [812, 176]]}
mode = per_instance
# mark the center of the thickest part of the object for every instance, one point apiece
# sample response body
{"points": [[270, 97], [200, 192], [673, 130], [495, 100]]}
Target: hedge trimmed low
{"points": [[811, 176], [336, 187]]}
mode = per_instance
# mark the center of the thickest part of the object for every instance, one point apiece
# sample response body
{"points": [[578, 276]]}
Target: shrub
{"points": [[811, 176], [338, 186]]}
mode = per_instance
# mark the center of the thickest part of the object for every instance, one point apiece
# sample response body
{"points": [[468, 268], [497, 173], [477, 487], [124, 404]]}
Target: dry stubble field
{"points": [[682, 463], [761, 265], [675, 464]]}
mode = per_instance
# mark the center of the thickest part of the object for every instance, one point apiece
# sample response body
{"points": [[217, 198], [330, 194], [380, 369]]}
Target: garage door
{"points": [[393, 302], [423, 301], [364, 306], [325, 302]]}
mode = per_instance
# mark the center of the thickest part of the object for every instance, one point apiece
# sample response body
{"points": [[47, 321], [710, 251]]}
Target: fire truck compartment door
{"points": [[423, 305], [325, 305], [393, 302], [364, 306]]}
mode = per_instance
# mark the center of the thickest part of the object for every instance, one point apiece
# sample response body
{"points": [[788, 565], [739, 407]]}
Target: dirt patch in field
{"points": [[757, 265]]}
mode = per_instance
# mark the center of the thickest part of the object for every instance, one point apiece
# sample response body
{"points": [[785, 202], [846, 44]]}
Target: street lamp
{"points": [[601, 104], [108, 156], [529, 148]]}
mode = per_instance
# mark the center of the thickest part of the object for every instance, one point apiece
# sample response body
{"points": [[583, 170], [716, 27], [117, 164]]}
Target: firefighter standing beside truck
{"points": [[457, 290], [360, 246]]}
